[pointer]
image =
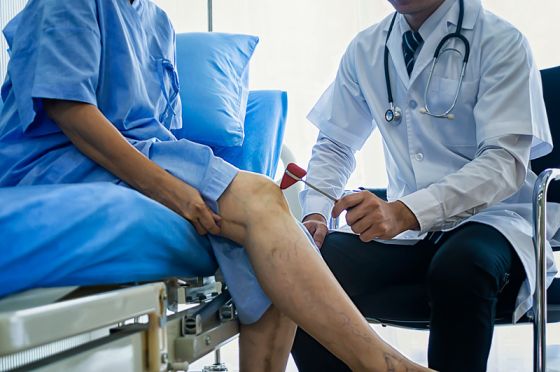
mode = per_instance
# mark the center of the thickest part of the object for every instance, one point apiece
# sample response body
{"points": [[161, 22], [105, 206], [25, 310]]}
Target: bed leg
{"points": [[158, 358]]}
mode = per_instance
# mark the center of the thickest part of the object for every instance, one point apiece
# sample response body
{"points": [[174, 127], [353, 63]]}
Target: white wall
{"points": [[538, 20]]}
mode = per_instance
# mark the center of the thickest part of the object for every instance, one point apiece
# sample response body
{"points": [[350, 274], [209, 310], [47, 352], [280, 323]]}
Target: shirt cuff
{"points": [[315, 204], [427, 209]]}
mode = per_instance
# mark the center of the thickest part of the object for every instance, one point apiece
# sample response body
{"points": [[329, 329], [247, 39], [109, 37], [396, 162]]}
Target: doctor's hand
{"points": [[317, 227], [371, 217]]}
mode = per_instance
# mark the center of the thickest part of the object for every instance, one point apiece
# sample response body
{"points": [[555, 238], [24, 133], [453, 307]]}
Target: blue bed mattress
{"points": [[101, 233], [93, 234]]}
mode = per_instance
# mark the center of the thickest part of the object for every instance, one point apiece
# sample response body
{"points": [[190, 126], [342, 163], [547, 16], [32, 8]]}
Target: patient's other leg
{"points": [[294, 276], [265, 345]]}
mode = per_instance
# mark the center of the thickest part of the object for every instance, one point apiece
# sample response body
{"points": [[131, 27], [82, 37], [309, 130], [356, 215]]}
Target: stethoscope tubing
{"points": [[386, 62], [393, 114], [447, 114]]}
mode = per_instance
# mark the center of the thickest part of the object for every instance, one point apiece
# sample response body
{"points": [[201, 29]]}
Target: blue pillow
{"points": [[264, 132], [214, 77]]}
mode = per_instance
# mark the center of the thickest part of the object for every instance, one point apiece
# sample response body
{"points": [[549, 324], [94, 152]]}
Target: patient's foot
{"points": [[393, 361]]}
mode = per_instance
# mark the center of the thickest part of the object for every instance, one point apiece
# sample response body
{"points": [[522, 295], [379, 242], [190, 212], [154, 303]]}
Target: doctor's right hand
{"points": [[317, 227]]}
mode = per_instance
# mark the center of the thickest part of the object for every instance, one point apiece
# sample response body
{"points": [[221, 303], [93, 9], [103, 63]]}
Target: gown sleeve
{"points": [[54, 54]]}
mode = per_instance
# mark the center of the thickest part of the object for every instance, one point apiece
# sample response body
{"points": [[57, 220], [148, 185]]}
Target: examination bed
{"points": [[83, 288]]}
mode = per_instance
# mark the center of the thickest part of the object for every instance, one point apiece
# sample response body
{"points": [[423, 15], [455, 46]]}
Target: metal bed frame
{"points": [[139, 328]]}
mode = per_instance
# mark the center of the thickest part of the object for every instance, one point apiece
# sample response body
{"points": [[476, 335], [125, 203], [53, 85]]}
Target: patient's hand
{"points": [[187, 202], [91, 132], [317, 227]]}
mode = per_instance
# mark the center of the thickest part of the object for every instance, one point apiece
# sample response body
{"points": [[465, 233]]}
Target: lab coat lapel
{"points": [[445, 26], [395, 51], [426, 55]]}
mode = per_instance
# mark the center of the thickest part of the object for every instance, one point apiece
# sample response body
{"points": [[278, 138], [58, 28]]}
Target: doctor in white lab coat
{"points": [[461, 188]]}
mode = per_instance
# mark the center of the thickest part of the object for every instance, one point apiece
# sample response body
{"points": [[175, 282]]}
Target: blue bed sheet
{"points": [[57, 235], [61, 235]]}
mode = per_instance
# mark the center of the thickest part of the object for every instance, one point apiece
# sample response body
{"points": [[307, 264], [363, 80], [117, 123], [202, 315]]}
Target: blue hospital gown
{"points": [[120, 58]]}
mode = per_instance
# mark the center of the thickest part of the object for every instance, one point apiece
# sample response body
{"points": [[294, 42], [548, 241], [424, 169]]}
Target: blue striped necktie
{"points": [[410, 43]]}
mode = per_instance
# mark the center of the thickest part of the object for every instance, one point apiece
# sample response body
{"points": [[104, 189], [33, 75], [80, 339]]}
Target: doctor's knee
{"points": [[465, 278]]}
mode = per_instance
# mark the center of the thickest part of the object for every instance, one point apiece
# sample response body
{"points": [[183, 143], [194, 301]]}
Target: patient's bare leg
{"points": [[295, 277], [265, 345]]}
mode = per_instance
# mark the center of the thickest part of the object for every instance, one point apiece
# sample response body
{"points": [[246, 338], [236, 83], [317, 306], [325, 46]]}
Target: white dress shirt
{"points": [[448, 172], [496, 173]]}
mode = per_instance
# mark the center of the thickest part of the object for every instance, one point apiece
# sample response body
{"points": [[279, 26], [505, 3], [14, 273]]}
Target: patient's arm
{"points": [[98, 139]]}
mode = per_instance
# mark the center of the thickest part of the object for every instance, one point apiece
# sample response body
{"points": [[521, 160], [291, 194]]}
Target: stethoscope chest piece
{"points": [[393, 116]]}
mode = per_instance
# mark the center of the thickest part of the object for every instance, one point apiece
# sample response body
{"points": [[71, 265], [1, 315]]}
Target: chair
{"points": [[546, 302]]}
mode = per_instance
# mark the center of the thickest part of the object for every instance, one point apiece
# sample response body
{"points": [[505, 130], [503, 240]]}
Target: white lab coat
{"points": [[501, 96]]}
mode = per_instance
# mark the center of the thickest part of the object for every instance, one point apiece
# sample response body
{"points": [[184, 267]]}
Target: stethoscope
{"points": [[394, 114]]}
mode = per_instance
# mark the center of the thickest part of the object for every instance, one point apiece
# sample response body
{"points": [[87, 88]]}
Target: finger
{"points": [[206, 219], [209, 227], [349, 201], [311, 226], [320, 235], [357, 213], [362, 225], [198, 227], [217, 219], [369, 235]]}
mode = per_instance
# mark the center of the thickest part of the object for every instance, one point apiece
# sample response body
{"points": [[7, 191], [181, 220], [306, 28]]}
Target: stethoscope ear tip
{"points": [[450, 116], [423, 111]]}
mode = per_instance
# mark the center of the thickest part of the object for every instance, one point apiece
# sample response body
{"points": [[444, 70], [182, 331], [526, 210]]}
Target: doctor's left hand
{"points": [[371, 217]]}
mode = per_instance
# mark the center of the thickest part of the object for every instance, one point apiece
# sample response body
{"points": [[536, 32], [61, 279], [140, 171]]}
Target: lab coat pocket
{"points": [[460, 128], [442, 91]]}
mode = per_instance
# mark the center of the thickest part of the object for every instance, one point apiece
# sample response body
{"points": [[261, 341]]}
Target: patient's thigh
{"points": [[366, 268]]}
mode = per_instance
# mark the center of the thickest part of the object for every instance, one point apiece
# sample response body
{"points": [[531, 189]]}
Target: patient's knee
{"points": [[261, 195]]}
